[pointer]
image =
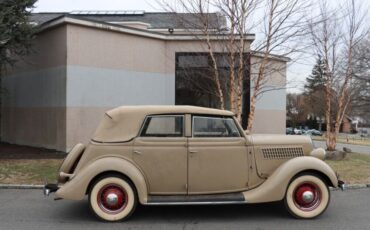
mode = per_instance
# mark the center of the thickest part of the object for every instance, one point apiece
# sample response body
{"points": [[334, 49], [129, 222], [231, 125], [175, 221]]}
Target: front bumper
{"points": [[50, 188]]}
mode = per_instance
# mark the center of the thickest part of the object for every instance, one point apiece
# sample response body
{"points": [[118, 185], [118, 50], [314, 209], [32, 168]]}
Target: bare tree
{"points": [[282, 23], [334, 35], [237, 12], [360, 91], [283, 26], [232, 41], [201, 25], [296, 111]]}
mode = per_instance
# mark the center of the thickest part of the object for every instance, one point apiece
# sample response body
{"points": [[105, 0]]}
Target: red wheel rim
{"points": [[307, 196], [112, 198]]}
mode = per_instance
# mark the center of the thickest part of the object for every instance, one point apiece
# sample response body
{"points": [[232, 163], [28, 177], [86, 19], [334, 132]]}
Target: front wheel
{"points": [[307, 196], [112, 198]]}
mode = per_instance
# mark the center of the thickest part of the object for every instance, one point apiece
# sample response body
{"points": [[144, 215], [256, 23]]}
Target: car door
{"points": [[217, 159], [161, 153]]}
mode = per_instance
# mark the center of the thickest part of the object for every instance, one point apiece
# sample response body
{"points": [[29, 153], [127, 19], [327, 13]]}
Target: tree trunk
{"points": [[218, 84], [252, 112], [2, 69], [239, 104], [241, 78], [231, 48], [330, 131], [261, 69], [220, 94], [219, 91], [256, 91], [331, 140], [232, 84]]}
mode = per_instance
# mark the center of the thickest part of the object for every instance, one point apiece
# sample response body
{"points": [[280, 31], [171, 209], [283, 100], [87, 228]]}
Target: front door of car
{"points": [[217, 158], [161, 153]]}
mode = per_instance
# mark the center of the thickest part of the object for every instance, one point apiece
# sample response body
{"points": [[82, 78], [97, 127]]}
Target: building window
{"points": [[195, 83]]}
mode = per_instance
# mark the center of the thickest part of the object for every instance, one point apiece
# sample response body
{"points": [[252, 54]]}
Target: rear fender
{"points": [[75, 189], [274, 188], [70, 161]]}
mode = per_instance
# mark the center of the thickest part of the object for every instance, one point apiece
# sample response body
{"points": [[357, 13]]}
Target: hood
{"points": [[273, 150], [283, 140]]}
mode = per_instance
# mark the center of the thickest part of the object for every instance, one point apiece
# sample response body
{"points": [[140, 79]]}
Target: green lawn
{"points": [[355, 168], [28, 171]]}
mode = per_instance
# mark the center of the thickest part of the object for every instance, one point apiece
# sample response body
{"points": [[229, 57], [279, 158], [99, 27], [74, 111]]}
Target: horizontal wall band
{"points": [[89, 86], [40, 88]]}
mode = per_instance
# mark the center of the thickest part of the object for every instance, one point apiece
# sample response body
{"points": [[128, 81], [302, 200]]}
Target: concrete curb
{"points": [[356, 186], [353, 186], [37, 186], [21, 186]]}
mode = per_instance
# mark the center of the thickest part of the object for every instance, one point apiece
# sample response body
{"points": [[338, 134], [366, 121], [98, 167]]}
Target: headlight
{"points": [[318, 153]]}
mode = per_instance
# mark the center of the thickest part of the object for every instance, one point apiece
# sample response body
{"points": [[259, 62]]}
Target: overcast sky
{"points": [[70, 5], [296, 72]]}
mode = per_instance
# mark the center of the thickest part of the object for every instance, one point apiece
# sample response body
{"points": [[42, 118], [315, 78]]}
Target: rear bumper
{"points": [[342, 185], [50, 188]]}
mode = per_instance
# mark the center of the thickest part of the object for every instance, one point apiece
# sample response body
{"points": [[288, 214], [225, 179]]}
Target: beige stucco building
{"points": [[84, 65]]}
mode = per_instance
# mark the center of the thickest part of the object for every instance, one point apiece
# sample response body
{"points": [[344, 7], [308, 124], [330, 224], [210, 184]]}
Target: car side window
{"points": [[214, 127], [163, 126]]}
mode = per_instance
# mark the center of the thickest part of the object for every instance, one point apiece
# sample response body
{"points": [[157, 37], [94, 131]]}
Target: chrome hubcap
{"points": [[112, 199], [307, 196]]}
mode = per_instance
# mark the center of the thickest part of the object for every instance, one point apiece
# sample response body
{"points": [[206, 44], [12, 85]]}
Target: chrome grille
{"points": [[282, 152]]}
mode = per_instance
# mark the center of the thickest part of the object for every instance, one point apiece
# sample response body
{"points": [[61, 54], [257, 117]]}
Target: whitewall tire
{"points": [[112, 198], [307, 196]]}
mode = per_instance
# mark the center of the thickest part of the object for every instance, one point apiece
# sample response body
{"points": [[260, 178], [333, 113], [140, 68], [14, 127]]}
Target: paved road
{"points": [[355, 148], [28, 209]]}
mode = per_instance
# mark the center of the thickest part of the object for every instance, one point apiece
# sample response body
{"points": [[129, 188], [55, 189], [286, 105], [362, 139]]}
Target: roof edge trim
{"points": [[270, 56], [65, 19]]}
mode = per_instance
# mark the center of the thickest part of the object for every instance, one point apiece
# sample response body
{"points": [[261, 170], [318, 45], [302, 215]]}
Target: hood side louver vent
{"points": [[282, 153]]}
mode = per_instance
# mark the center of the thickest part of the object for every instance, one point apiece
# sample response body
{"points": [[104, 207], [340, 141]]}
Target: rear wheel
{"points": [[307, 196], [112, 198]]}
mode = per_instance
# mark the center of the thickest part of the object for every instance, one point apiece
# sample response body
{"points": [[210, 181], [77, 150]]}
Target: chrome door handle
{"points": [[137, 152]]}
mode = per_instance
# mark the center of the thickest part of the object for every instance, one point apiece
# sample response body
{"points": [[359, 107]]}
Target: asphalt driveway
{"points": [[28, 209]]}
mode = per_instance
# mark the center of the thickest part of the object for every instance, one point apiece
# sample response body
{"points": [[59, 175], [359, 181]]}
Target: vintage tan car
{"points": [[177, 155]]}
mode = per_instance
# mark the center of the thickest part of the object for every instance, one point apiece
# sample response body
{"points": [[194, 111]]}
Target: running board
{"points": [[230, 198]]}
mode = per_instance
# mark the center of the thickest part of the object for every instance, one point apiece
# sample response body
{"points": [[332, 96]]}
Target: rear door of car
{"points": [[160, 151], [217, 159]]}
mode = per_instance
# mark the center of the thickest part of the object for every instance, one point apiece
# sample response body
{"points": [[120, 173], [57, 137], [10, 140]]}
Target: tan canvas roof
{"points": [[123, 123]]}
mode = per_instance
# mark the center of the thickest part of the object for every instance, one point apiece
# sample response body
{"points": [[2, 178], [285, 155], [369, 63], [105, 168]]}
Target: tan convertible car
{"points": [[177, 155]]}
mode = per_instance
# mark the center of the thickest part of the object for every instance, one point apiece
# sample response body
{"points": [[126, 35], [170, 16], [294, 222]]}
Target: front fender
{"points": [[75, 189], [274, 188]]}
